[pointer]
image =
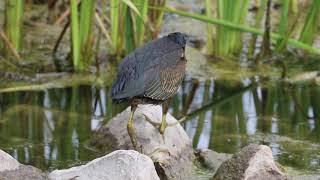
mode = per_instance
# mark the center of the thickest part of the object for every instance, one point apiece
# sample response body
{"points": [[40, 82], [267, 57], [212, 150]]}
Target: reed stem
{"points": [[75, 35], [13, 22]]}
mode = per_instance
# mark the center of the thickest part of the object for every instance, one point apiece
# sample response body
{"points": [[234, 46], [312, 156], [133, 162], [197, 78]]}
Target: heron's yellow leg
{"points": [[131, 130]]}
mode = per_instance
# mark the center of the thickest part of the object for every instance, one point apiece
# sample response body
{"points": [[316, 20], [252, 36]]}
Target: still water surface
{"points": [[51, 129]]}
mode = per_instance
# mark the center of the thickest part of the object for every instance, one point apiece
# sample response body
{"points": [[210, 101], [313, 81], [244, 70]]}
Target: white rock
{"points": [[7, 162], [253, 162], [11, 169], [118, 165], [177, 164]]}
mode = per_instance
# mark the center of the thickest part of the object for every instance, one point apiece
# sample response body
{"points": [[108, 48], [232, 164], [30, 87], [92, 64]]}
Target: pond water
{"points": [[51, 129]]}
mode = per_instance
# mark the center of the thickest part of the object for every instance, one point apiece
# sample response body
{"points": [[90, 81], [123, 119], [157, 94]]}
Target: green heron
{"points": [[151, 74]]}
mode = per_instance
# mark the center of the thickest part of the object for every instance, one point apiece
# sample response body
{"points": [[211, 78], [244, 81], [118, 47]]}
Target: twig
{"points": [[8, 43], [103, 29], [64, 15], [61, 36]]}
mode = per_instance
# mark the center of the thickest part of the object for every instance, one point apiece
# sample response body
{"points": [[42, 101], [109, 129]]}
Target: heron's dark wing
{"points": [[129, 81]]}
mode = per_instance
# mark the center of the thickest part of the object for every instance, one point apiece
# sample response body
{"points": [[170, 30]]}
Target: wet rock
{"points": [[121, 165], [11, 169], [253, 162], [211, 159], [176, 162]]}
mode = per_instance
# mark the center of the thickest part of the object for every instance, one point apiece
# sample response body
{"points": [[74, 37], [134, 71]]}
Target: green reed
{"points": [[81, 33], [309, 30], [13, 22], [85, 31], [243, 28], [283, 25], [128, 21], [228, 40], [129, 40], [114, 23], [75, 34], [210, 48], [142, 6]]}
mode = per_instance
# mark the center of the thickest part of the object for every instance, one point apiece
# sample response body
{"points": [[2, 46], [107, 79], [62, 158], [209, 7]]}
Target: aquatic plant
{"points": [[227, 39], [283, 25], [210, 48], [81, 35], [127, 24], [309, 30], [243, 28], [129, 20], [13, 23]]}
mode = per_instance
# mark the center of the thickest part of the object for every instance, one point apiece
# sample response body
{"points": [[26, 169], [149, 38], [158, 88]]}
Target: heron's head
{"points": [[178, 38]]}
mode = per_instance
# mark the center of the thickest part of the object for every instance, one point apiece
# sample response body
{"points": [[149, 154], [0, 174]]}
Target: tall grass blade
{"points": [[75, 34], [228, 40], [294, 6], [13, 22], [130, 4], [114, 21], [85, 32], [142, 6], [209, 28], [242, 28], [310, 26], [282, 30], [129, 31]]}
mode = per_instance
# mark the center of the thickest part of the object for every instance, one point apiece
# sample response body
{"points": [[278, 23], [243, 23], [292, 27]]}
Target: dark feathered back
{"points": [[142, 68]]}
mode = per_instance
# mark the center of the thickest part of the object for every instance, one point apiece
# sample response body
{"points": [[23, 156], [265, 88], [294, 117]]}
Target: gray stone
{"points": [[253, 162], [211, 159], [11, 169], [23, 173], [118, 165], [7, 162], [177, 164]]}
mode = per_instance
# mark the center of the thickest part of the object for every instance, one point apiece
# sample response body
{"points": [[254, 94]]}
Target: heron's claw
{"points": [[157, 125], [154, 124], [156, 151]]}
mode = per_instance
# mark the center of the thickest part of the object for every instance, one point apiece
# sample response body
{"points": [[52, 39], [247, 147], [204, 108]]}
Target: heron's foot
{"points": [[153, 123], [153, 154], [157, 124]]}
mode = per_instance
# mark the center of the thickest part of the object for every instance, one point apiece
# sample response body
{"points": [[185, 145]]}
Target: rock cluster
{"points": [[176, 161]]}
